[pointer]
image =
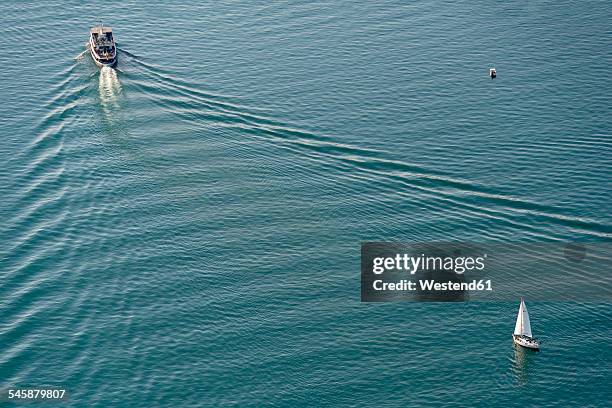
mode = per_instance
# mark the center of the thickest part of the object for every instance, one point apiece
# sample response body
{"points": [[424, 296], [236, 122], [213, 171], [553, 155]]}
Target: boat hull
{"points": [[101, 64], [529, 343]]}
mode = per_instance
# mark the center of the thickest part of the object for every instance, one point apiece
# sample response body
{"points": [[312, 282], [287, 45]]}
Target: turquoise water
{"points": [[185, 230]]}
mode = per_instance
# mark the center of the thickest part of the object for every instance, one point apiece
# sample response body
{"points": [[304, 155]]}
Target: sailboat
{"points": [[522, 330]]}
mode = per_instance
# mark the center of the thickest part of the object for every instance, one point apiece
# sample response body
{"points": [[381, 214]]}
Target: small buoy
{"points": [[492, 73]]}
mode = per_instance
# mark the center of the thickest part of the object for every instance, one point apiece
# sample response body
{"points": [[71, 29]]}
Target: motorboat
{"points": [[492, 73], [102, 46], [522, 330]]}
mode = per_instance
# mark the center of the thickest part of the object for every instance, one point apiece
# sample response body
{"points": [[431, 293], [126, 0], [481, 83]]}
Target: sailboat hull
{"points": [[526, 342]]}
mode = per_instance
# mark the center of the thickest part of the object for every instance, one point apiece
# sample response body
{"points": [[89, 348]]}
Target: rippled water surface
{"points": [[184, 230]]}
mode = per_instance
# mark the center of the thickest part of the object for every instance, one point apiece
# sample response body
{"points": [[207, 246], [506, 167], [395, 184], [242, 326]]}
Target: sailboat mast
{"points": [[522, 312]]}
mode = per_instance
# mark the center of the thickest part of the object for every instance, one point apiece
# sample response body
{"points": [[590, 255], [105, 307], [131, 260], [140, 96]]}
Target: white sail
{"points": [[523, 326]]}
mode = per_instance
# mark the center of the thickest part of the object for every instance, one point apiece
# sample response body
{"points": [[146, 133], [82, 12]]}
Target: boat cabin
{"points": [[102, 45], [102, 38]]}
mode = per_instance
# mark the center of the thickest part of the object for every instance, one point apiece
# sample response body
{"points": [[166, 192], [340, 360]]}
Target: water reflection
{"points": [[520, 364]]}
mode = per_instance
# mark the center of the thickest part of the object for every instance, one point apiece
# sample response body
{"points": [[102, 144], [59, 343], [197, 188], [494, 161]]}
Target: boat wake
{"points": [[397, 179], [129, 54], [81, 56], [109, 88]]}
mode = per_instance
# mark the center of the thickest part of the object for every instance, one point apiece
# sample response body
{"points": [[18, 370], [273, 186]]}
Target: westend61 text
{"points": [[429, 285]]}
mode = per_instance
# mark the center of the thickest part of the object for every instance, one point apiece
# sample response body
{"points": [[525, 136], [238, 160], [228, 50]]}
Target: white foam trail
{"points": [[109, 88], [81, 55]]}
